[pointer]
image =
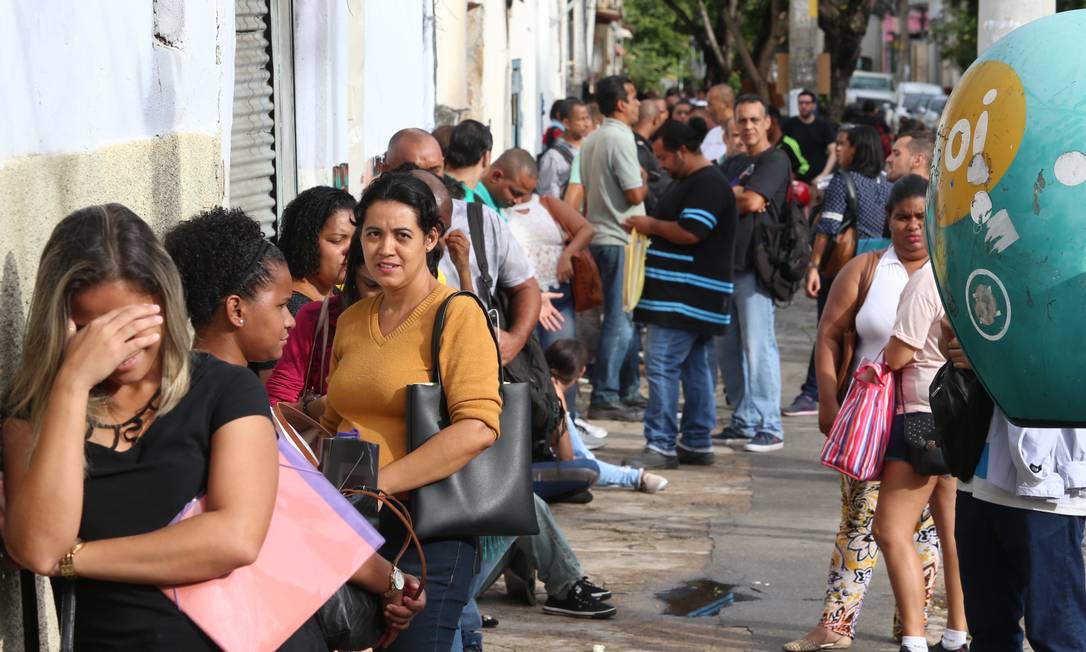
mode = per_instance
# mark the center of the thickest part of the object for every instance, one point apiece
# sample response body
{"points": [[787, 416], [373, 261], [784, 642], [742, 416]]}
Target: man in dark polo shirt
{"points": [[685, 303], [749, 359]]}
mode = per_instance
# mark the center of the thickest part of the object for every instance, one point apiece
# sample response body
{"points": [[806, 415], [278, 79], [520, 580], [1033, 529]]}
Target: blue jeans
{"points": [[1015, 563], [610, 474], [567, 332], [810, 384], [450, 567], [750, 361], [469, 635], [615, 369], [672, 356], [550, 479]]}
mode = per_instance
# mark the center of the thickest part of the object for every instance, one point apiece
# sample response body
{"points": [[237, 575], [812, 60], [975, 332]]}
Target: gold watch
{"points": [[67, 562]]}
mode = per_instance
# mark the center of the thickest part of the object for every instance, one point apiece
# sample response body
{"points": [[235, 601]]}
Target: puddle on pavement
{"points": [[702, 597]]}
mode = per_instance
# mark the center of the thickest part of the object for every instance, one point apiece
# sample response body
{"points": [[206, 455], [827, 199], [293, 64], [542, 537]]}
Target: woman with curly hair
{"points": [[382, 345], [313, 236], [114, 425], [238, 309]]}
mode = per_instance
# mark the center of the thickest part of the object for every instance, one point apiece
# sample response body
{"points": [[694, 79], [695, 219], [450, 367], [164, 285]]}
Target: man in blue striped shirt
{"points": [[686, 300]]}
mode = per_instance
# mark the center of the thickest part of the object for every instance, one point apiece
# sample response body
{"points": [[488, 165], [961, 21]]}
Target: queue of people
{"points": [[350, 287]]}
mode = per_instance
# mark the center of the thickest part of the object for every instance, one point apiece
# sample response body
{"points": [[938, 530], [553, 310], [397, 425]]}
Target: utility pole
{"points": [[997, 18], [804, 44], [904, 51]]}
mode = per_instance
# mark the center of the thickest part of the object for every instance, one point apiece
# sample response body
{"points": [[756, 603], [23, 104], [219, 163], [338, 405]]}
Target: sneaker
{"points": [[764, 442], [597, 592], [592, 442], [651, 483], [650, 459], [695, 458], [576, 497], [729, 436], [578, 604], [489, 622], [636, 401], [614, 412], [938, 647], [585, 427], [803, 406]]}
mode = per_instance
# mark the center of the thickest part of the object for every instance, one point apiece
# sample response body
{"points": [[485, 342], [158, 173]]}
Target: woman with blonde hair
{"points": [[113, 426]]}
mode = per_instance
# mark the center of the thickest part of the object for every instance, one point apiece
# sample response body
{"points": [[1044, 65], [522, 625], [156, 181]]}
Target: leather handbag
{"points": [[492, 494], [850, 338], [586, 284], [963, 412], [352, 619], [842, 247], [922, 441]]}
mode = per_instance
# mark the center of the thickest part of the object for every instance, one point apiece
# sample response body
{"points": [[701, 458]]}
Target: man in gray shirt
{"points": [[556, 163], [615, 189]]}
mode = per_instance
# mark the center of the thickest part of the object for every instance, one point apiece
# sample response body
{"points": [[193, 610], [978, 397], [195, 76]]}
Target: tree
{"points": [[844, 23], [656, 51]]}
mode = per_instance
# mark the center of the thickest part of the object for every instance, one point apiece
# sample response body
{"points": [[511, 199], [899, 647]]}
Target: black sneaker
{"points": [[577, 497], [599, 593], [614, 412], [695, 458], [729, 436], [650, 459], [636, 401], [938, 647], [578, 604]]}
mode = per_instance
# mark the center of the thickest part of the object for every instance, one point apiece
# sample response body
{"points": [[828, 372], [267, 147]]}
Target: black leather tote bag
{"points": [[492, 494], [963, 412]]}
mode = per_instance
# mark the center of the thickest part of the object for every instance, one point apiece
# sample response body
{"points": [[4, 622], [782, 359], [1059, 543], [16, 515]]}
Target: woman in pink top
{"points": [[914, 350]]}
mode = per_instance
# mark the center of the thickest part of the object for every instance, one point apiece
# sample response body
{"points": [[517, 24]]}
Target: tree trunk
{"points": [[844, 23], [754, 73]]}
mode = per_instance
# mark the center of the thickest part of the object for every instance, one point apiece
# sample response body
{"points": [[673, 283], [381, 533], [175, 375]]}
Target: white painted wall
{"points": [[494, 109], [450, 32], [398, 70], [91, 73], [320, 88]]}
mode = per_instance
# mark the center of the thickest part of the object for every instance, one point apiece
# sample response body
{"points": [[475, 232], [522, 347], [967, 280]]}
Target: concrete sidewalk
{"points": [[761, 522]]}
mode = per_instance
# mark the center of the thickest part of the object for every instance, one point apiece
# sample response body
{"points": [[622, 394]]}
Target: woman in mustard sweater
{"points": [[382, 344]]}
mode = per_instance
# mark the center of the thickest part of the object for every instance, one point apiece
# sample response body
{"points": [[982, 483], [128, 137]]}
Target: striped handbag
{"points": [[856, 444]]}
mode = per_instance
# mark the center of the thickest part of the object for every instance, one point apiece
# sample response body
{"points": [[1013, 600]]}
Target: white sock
{"points": [[914, 643], [953, 639]]}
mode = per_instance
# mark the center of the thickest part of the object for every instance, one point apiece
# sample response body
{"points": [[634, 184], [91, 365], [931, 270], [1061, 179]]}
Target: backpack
{"points": [[782, 249], [530, 365], [566, 153]]}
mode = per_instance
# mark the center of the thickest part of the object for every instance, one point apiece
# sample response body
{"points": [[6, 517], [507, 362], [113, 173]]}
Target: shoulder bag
{"points": [[842, 246], [922, 440], [856, 444], [492, 494], [963, 412], [850, 338], [352, 618]]}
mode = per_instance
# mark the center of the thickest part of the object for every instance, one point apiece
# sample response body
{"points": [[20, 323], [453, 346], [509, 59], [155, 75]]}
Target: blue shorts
{"points": [[896, 448]]}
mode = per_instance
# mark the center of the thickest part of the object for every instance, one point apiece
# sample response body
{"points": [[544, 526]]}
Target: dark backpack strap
{"points": [[853, 203], [566, 153], [477, 234]]}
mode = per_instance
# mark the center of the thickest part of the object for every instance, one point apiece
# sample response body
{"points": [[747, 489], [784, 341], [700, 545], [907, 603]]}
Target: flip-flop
{"points": [[803, 645]]}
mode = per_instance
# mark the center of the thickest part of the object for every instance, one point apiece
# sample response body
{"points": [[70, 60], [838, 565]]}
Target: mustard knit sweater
{"points": [[370, 371]]}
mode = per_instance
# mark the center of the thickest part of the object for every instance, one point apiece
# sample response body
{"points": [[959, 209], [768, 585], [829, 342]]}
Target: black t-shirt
{"points": [[814, 139], [690, 286], [767, 174], [141, 490]]}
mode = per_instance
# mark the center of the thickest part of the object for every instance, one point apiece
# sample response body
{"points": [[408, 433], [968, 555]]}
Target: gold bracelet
{"points": [[67, 562]]}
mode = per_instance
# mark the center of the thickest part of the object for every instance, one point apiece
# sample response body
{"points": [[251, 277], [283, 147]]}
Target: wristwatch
{"points": [[67, 562], [395, 584]]}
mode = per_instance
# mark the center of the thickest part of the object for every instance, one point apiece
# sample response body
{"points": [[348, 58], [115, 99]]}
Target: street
{"points": [[761, 523]]}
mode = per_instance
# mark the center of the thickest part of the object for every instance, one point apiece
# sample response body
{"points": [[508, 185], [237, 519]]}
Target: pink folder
{"points": [[316, 541]]}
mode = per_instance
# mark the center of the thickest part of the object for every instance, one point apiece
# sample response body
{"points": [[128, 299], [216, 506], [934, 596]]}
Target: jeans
{"points": [[615, 369], [675, 355], [1015, 563], [568, 331], [558, 565], [469, 636], [810, 385], [610, 474], [551, 479], [750, 361], [450, 566]]}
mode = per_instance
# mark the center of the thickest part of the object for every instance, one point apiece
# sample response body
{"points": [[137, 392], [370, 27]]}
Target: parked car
{"points": [[865, 85], [930, 110], [907, 99]]}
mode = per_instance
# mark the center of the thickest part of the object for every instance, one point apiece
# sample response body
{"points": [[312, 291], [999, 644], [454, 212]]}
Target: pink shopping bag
{"points": [[857, 441], [315, 542]]}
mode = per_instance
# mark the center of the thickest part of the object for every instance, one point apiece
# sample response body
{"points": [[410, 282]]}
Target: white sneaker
{"points": [[592, 442], [585, 427], [652, 483]]}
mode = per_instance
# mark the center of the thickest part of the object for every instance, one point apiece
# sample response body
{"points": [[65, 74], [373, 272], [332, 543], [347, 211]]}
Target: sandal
{"points": [[803, 645]]}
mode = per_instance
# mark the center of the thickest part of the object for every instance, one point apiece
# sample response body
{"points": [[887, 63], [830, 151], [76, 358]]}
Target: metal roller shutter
{"points": [[252, 137]]}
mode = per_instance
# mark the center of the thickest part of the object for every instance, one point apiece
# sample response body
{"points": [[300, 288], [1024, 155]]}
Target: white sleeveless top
{"points": [[875, 319], [538, 234]]}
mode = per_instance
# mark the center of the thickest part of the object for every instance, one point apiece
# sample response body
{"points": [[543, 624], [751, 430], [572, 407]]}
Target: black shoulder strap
{"points": [[477, 234], [853, 212], [439, 329], [566, 152]]}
